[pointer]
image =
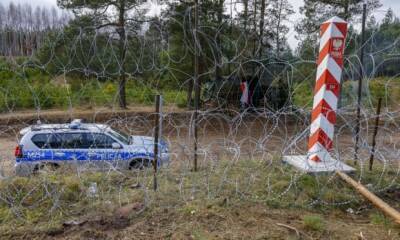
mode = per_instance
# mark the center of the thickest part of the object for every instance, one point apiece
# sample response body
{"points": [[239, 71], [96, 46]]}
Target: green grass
{"points": [[33, 88], [43, 202], [378, 218], [382, 87], [314, 223], [19, 93], [303, 95]]}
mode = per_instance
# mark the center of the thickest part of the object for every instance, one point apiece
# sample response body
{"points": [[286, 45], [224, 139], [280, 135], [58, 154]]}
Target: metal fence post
{"points": [[378, 112], [157, 135]]}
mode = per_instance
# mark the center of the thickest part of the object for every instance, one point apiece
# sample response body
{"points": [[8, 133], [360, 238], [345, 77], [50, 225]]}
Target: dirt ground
{"points": [[7, 146], [249, 136], [219, 220], [249, 221]]}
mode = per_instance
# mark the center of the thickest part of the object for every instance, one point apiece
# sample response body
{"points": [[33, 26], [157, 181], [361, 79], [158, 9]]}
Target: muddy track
{"points": [[90, 115]]}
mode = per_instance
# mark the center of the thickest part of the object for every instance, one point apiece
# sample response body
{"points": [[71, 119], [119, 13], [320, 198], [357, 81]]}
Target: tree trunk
{"points": [[245, 14], [219, 46], [262, 15], [278, 26], [122, 53], [190, 91], [255, 37], [346, 10]]}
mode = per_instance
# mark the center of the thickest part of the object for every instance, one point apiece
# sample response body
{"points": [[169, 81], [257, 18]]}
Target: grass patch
{"points": [[33, 89], [314, 223], [380, 219], [385, 87], [302, 95]]}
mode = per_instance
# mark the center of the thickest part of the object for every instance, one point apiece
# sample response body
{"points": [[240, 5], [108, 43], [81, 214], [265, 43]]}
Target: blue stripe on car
{"points": [[68, 155]]}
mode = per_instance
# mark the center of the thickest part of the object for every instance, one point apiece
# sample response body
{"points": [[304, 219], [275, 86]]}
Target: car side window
{"points": [[48, 140], [99, 140], [60, 141], [41, 140], [72, 141], [55, 141]]}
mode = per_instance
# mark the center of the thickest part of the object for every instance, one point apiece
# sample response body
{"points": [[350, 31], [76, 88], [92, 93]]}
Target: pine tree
{"points": [[117, 14], [389, 17], [317, 11], [279, 13]]}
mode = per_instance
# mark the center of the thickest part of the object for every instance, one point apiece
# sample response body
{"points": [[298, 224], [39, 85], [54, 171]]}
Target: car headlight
{"points": [[164, 149], [164, 146]]}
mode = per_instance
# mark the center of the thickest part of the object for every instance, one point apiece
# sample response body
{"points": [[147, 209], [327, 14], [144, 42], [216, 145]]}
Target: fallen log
{"points": [[379, 203]]}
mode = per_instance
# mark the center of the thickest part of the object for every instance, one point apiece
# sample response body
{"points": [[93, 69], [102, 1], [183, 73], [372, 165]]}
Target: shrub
{"points": [[302, 95], [140, 95], [36, 89], [377, 89], [175, 97], [386, 88]]}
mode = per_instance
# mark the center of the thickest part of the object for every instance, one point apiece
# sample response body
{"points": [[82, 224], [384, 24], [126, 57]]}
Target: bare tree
{"points": [[38, 18], [2, 16], [45, 18], [220, 4], [22, 30], [54, 17]]}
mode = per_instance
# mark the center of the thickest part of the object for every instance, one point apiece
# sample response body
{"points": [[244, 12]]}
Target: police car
{"points": [[95, 145]]}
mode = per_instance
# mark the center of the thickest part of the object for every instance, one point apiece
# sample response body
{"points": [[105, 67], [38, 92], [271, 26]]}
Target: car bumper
{"points": [[165, 159], [24, 169]]}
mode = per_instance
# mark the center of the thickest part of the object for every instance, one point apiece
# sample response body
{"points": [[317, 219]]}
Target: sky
{"points": [[379, 13]]}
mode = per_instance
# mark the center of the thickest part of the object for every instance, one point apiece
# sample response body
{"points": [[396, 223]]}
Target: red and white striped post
{"points": [[326, 94], [327, 88]]}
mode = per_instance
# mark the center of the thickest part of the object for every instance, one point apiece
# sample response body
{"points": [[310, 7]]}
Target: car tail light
{"points": [[18, 151]]}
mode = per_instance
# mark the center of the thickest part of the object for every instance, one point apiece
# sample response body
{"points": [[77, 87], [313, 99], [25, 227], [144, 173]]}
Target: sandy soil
{"points": [[7, 146]]}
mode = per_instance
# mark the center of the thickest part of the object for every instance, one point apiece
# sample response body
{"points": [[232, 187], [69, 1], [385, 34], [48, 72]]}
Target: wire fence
{"points": [[239, 148]]}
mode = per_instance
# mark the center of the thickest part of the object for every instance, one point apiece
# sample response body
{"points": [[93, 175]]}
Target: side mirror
{"points": [[115, 145]]}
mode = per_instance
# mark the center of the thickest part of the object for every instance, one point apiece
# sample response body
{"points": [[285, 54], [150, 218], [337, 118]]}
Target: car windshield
{"points": [[119, 135]]}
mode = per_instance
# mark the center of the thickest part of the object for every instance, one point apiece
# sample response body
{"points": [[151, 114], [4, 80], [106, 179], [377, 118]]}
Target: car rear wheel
{"points": [[139, 164], [46, 167]]}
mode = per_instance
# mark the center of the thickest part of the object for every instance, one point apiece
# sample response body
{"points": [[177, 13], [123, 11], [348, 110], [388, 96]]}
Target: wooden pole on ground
{"points": [[378, 112], [386, 209]]}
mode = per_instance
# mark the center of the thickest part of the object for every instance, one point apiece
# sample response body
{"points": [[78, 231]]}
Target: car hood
{"points": [[141, 140], [146, 142]]}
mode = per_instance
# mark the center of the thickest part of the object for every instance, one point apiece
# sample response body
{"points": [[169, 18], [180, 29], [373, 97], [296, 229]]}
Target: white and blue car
{"points": [[96, 145]]}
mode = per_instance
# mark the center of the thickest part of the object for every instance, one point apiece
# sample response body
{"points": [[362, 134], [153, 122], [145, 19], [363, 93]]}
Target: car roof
{"points": [[73, 126]]}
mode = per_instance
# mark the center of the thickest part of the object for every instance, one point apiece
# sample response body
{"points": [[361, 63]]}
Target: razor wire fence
{"points": [[77, 73]]}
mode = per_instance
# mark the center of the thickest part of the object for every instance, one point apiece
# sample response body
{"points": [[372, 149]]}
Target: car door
{"points": [[101, 148], [70, 146], [44, 152]]}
